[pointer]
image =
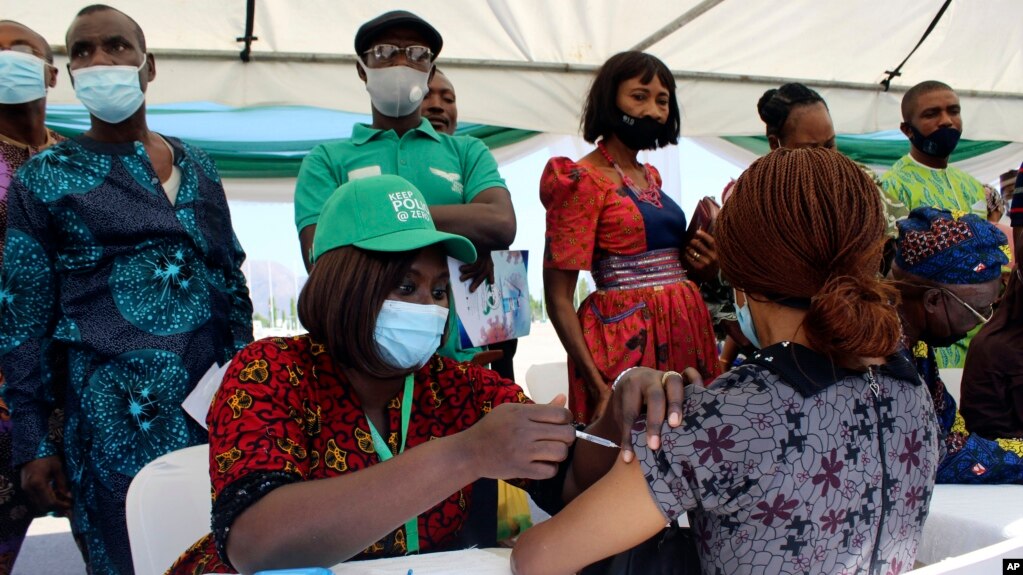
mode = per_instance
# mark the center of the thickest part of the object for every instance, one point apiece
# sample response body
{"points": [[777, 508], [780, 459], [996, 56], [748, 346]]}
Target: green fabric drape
{"points": [[261, 159], [872, 150], [245, 160]]}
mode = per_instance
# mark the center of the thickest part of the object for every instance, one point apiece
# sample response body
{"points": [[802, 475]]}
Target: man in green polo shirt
{"points": [[456, 174], [932, 122]]}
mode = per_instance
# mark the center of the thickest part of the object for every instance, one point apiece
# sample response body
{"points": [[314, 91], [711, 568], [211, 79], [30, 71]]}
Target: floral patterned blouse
{"points": [[790, 464]]}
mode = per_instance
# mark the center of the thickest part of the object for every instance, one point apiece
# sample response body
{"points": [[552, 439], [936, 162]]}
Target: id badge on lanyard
{"points": [[384, 453]]}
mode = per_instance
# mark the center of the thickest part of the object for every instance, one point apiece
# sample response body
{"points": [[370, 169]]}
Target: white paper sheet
{"points": [[197, 404], [496, 311]]}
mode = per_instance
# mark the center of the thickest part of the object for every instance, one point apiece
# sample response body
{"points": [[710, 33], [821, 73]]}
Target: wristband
{"points": [[621, 375]]}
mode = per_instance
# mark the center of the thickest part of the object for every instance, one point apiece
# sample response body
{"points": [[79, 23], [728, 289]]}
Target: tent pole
{"points": [[248, 38], [676, 24]]}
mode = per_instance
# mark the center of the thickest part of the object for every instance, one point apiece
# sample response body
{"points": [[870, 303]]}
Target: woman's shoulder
{"points": [[563, 175], [471, 378], [745, 383], [561, 164], [286, 345], [574, 170], [270, 353]]}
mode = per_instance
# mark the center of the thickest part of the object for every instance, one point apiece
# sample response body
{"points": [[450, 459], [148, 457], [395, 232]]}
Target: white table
{"points": [[475, 561], [964, 518]]}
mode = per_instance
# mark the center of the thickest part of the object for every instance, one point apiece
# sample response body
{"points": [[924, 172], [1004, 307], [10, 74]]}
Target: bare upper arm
{"points": [[305, 240], [615, 514], [559, 282]]}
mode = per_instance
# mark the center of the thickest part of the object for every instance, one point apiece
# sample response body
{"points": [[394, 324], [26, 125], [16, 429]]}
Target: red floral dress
{"points": [[285, 413], [590, 220]]}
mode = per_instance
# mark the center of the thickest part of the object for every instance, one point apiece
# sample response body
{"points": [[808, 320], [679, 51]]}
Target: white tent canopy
{"points": [[527, 63]]}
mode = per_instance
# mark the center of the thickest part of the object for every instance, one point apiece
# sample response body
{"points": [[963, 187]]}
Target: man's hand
{"points": [[479, 271], [522, 440], [641, 388], [45, 484]]}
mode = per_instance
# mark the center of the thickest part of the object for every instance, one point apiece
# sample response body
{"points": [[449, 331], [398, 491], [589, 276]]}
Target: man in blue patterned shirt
{"points": [[120, 252]]}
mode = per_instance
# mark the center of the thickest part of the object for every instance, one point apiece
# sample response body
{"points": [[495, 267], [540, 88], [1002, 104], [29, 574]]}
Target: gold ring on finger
{"points": [[667, 374]]}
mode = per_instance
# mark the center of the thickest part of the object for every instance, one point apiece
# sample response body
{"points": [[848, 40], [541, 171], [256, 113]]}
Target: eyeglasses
{"points": [[385, 53], [983, 319]]}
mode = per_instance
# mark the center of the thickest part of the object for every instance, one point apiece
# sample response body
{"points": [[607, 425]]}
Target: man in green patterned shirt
{"points": [[932, 122]]}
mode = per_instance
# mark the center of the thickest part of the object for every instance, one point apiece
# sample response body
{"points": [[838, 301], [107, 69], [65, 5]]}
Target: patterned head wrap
{"points": [[947, 248], [995, 201]]}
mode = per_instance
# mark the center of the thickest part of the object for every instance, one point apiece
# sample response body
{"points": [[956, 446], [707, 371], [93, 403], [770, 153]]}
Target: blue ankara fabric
{"points": [[958, 249], [969, 458], [16, 511], [143, 297]]}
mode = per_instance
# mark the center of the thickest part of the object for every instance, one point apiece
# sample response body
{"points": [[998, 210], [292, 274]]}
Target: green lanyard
{"points": [[384, 453]]}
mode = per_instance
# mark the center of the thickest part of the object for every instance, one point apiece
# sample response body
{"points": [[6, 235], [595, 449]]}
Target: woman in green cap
{"points": [[363, 391]]}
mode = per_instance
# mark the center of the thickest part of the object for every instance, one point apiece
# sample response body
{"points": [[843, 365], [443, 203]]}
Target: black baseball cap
{"points": [[370, 30]]}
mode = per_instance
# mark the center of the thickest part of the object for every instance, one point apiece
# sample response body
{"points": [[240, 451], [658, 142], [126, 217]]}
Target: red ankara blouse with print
{"points": [[285, 413]]}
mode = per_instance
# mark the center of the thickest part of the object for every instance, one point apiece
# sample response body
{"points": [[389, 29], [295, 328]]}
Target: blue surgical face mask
{"points": [[22, 77], [408, 334], [111, 93], [749, 330]]}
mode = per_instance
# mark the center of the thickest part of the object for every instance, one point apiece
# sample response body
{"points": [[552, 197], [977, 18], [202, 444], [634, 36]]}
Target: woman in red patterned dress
{"points": [[607, 214]]}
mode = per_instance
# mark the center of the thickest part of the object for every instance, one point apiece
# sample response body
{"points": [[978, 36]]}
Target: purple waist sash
{"points": [[648, 269]]}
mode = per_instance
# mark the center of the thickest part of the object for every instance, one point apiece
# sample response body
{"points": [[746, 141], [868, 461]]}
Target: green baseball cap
{"points": [[382, 214]]}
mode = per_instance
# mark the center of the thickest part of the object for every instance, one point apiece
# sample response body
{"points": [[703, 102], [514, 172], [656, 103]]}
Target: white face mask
{"points": [[408, 334], [111, 93], [396, 91]]}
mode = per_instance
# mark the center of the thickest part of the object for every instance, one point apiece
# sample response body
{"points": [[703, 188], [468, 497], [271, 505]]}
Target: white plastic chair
{"points": [[545, 380], [168, 508]]}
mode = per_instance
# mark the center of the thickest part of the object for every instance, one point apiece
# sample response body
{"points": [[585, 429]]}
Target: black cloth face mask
{"points": [[940, 143], [637, 133]]}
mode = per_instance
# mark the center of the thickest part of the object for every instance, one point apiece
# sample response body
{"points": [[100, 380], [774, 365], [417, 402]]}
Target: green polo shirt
{"points": [[446, 169], [915, 185]]}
